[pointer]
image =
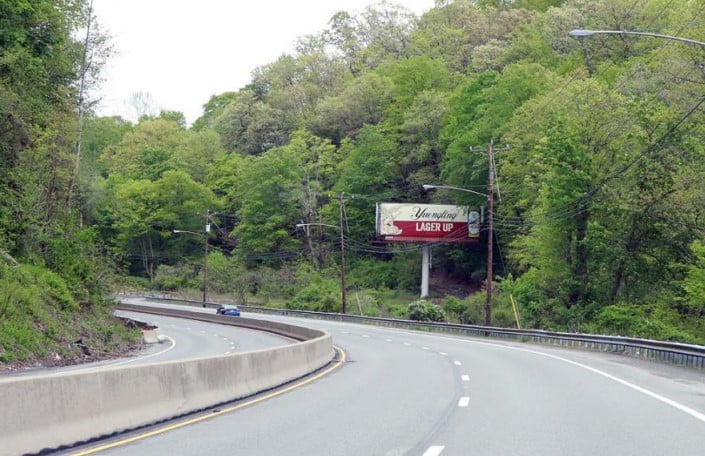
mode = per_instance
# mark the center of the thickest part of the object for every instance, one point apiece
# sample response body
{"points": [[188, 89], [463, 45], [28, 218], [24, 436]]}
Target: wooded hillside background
{"points": [[600, 215]]}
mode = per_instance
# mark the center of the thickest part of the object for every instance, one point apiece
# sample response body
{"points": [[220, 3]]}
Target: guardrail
{"points": [[660, 351]]}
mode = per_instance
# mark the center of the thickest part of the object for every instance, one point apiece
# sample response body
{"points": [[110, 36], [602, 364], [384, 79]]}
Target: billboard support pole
{"points": [[425, 270]]}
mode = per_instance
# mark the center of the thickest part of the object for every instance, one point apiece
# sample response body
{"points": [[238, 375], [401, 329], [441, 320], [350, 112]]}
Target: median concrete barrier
{"points": [[46, 412]]}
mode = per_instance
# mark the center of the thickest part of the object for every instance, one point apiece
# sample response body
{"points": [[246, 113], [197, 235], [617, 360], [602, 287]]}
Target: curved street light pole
{"points": [[490, 240], [205, 256], [585, 33], [450, 187]]}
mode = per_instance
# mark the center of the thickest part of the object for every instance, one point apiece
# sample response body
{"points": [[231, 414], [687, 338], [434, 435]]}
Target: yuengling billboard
{"points": [[420, 222]]}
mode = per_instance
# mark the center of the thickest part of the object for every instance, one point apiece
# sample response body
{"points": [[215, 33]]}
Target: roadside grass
{"points": [[41, 324]]}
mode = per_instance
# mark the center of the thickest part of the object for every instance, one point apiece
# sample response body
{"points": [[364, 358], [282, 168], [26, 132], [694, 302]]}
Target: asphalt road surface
{"points": [[411, 393]]}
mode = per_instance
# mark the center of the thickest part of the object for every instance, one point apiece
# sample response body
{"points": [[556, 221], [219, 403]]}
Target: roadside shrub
{"points": [[399, 272], [171, 278], [424, 311], [461, 310], [52, 284], [398, 311], [321, 295], [641, 321]]}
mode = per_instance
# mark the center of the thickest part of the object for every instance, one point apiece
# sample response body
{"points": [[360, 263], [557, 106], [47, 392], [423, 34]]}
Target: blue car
{"points": [[233, 311]]}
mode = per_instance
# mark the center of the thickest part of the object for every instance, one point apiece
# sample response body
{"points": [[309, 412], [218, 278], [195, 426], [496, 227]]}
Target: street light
{"points": [[342, 257], [585, 33], [450, 187], [490, 231], [205, 258]]}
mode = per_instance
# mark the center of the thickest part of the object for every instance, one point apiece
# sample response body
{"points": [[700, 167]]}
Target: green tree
{"points": [[250, 126], [212, 110], [269, 195], [557, 246], [143, 215], [147, 152], [694, 282], [369, 173]]}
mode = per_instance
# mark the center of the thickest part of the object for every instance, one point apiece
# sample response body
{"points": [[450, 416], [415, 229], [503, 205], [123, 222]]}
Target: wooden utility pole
{"points": [[342, 257], [490, 232], [207, 229]]}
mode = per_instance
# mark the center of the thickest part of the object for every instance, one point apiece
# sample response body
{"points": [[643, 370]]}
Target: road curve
{"points": [[412, 393], [181, 339]]}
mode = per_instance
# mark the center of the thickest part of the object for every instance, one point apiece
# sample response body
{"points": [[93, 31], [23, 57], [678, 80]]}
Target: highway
{"points": [[180, 339], [412, 393]]}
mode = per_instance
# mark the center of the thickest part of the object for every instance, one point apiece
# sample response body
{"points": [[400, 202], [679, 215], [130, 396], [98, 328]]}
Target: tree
{"points": [[694, 282], [212, 109], [380, 33], [251, 127], [558, 244], [369, 173], [363, 101], [269, 195], [143, 215]]}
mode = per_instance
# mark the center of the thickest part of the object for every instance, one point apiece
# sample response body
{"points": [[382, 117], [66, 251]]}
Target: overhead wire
{"points": [[577, 206]]}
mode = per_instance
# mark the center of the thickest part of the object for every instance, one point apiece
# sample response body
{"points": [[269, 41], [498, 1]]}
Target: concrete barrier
{"points": [[45, 412]]}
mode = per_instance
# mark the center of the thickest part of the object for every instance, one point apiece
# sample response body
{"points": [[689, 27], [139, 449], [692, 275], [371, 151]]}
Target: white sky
{"points": [[183, 51]]}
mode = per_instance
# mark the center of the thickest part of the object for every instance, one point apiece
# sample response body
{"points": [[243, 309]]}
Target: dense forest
{"points": [[599, 217]]}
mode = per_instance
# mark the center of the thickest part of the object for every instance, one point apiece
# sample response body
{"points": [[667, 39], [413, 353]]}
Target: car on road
{"points": [[226, 309]]}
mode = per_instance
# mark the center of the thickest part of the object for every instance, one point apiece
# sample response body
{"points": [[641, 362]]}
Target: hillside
{"points": [[598, 149]]}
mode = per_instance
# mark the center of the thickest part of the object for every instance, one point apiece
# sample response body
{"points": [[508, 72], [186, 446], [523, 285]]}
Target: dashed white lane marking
{"points": [[465, 378], [387, 340], [464, 401], [677, 405], [457, 363], [425, 348], [407, 344], [365, 335], [434, 451], [443, 354]]}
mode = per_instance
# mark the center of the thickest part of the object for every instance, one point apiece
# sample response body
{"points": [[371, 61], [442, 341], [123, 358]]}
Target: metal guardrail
{"points": [[679, 354]]}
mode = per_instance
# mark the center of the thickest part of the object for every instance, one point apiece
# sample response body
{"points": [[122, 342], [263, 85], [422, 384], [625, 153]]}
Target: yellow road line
{"points": [[208, 416]]}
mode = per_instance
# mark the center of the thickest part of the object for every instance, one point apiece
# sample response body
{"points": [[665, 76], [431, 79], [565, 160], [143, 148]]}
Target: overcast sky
{"points": [[183, 51]]}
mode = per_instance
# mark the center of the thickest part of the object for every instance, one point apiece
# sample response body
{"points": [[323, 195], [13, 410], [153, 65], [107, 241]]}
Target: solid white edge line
{"points": [[678, 406], [173, 344], [119, 363], [464, 401], [434, 451]]}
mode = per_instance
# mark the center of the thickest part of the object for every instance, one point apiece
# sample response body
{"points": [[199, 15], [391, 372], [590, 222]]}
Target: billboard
{"points": [[420, 222]]}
